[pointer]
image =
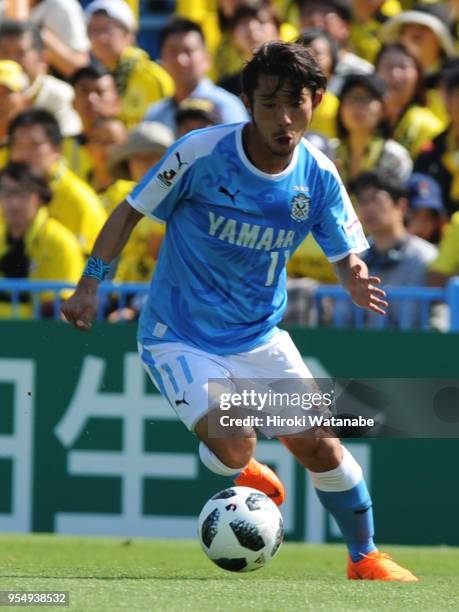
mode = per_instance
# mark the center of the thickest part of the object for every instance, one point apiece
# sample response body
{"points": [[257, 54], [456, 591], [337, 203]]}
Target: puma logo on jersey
{"points": [[166, 177], [182, 401], [180, 162], [232, 196]]}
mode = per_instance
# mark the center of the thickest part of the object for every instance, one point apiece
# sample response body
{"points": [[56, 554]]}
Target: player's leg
{"points": [[341, 488], [181, 374], [233, 456]]}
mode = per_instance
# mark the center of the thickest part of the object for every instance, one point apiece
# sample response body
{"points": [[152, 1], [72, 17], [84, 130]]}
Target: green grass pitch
{"points": [[167, 576]]}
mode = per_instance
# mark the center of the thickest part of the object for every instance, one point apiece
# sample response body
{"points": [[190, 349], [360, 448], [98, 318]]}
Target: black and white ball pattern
{"points": [[240, 529]]}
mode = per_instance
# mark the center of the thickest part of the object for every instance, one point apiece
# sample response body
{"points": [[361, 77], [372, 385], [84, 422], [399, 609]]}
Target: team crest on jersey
{"points": [[300, 207]]}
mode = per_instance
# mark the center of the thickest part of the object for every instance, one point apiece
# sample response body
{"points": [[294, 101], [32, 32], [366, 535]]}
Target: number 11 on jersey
{"points": [[273, 265]]}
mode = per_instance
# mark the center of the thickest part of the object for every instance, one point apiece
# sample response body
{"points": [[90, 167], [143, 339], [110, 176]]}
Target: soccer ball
{"points": [[240, 529]]}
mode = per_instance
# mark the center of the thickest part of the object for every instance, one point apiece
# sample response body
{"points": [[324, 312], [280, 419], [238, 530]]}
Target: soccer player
{"points": [[238, 199]]}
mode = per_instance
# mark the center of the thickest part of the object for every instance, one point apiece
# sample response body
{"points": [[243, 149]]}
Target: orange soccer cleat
{"points": [[378, 566], [261, 477]]}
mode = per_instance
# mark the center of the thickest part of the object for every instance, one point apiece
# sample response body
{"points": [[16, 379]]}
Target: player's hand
{"points": [[364, 291], [80, 310]]}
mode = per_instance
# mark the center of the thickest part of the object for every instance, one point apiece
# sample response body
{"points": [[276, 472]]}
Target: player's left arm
{"points": [[363, 289]]}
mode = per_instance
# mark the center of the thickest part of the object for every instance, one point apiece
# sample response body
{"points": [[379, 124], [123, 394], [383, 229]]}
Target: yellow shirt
{"points": [[77, 157], [309, 261], [4, 155], [227, 59], [136, 263], [417, 126], [447, 261], [364, 35], [140, 83], [324, 116], [54, 255], [76, 205], [437, 106]]}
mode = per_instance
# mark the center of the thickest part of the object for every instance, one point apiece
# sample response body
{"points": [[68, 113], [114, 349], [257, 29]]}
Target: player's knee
{"points": [[316, 453], [235, 452]]}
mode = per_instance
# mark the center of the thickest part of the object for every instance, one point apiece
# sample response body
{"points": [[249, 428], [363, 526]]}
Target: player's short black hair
{"points": [[36, 116], [342, 8], [88, 72], [179, 25], [13, 27], [309, 35], [381, 180], [23, 175], [289, 62]]}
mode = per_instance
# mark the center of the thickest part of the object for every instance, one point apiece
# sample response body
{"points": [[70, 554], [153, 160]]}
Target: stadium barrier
{"points": [[425, 297], [87, 446]]}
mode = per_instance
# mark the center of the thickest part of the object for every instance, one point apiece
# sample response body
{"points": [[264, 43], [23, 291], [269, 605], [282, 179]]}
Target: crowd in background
{"points": [[85, 112]]}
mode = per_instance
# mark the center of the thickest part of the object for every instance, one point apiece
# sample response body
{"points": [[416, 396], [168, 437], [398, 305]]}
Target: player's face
{"points": [[280, 116]]}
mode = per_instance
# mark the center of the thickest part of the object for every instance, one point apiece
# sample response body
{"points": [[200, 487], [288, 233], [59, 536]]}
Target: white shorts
{"points": [[181, 373]]}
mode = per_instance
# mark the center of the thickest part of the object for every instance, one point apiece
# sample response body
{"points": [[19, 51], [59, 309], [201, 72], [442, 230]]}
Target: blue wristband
{"points": [[96, 268]]}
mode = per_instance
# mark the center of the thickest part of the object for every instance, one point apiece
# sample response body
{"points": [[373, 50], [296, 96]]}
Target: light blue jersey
{"points": [[219, 283]]}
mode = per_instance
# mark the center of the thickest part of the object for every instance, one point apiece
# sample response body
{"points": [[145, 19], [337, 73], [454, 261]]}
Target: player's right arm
{"points": [[81, 308]]}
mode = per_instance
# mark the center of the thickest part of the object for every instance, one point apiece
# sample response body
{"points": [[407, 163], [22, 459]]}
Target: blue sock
{"points": [[353, 512]]}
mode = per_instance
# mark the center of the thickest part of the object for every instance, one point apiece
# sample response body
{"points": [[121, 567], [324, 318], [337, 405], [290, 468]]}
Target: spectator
{"points": [[64, 33], [95, 97], [227, 59], [35, 139], [185, 57], [453, 10], [104, 134], [439, 158], [368, 15], [20, 41], [139, 81], [363, 131], [335, 16], [13, 82], [195, 114], [426, 214], [251, 25], [398, 258], [425, 33], [410, 123], [446, 264], [325, 51], [32, 245], [146, 145]]}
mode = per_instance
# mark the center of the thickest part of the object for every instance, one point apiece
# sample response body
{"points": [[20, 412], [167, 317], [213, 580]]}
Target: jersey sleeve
{"points": [[337, 228], [165, 184]]}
